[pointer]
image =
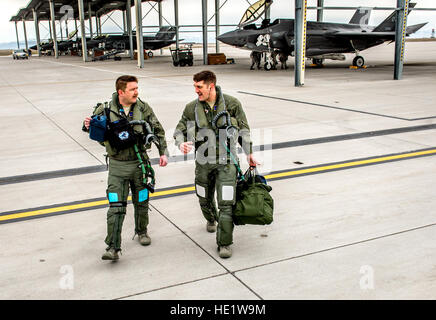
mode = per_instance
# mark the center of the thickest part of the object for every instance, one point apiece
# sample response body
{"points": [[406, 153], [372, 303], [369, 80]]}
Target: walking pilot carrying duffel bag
{"points": [[254, 204]]}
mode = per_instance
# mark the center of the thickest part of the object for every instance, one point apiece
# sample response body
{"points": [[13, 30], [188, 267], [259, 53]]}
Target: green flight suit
{"points": [[125, 171], [214, 168]]}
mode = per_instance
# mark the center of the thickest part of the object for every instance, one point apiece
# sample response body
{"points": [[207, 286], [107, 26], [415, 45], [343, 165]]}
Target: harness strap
{"points": [[146, 173]]}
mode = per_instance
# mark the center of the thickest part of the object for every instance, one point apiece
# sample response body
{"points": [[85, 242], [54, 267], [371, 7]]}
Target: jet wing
{"points": [[360, 35], [158, 44], [372, 34], [155, 41]]}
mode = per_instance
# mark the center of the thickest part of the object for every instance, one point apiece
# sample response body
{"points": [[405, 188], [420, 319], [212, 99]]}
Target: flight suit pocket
{"points": [[143, 195], [200, 190]]}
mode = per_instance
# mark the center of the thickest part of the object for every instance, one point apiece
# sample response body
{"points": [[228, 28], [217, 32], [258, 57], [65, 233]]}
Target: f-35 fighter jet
{"points": [[324, 40], [163, 38]]}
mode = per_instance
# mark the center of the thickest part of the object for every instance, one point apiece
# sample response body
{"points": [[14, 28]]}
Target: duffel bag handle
{"points": [[250, 175]]}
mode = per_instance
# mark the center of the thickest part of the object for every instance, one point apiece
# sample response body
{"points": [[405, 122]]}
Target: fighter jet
{"points": [[163, 38], [324, 40], [116, 42], [63, 46]]}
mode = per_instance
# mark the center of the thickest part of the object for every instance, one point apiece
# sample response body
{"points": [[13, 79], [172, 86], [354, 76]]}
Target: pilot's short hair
{"points": [[122, 81], [207, 76]]}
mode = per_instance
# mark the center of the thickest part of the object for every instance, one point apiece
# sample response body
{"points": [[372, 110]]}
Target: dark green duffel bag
{"points": [[254, 204]]}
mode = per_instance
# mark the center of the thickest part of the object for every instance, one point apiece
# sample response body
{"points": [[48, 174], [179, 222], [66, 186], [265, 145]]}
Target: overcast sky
{"points": [[231, 12]]}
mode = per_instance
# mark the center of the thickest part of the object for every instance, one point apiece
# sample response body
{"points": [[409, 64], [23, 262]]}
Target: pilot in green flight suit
{"points": [[214, 168], [124, 166]]}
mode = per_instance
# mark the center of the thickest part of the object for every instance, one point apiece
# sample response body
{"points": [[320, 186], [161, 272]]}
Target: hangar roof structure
{"points": [[98, 7]]}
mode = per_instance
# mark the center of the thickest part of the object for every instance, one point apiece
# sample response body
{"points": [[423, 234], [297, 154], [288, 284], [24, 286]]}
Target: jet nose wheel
{"points": [[150, 54], [268, 66], [318, 62], [358, 62]]}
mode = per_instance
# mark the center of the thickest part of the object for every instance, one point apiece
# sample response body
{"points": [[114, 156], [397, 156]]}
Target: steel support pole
{"points": [[124, 21], [204, 27], [97, 29], [400, 37], [82, 30], [176, 21], [53, 29], [217, 25], [77, 31], [320, 11], [129, 27], [159, 10], [300, 40], [25, 35], [99, 25], [90, 19], [38, 39], [49, 28], [16, 32], [139, 38]]}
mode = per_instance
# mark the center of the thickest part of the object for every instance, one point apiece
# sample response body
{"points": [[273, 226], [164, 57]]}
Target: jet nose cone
{"points": [[231, 38], [224, 38]]}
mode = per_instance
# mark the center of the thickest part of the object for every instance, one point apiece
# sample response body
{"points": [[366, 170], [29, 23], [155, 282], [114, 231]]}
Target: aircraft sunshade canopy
{"points": [[254, 12]]}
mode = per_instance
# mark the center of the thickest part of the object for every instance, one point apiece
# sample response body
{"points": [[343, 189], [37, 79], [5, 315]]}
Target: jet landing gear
{"points": [[268, 66], [318, 62], [358, 62], [270, 61]]}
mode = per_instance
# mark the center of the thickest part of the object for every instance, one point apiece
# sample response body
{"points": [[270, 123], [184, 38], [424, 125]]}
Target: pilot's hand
{"points": [[87, 122], [251, 161], [163, 161], [186, 147]]}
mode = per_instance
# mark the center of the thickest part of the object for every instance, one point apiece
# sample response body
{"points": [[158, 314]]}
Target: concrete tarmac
{"points": [[350, 156]]}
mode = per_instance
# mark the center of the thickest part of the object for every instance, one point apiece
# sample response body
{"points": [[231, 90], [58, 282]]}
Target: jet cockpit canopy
{"points": [[254, 12]]}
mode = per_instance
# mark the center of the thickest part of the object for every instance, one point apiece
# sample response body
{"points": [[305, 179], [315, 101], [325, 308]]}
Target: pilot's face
{"points": [[130, 94], [203, 90]]}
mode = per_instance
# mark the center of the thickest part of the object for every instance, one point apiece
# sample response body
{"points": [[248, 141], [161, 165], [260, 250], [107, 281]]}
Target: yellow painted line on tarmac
{"points": [[349, 164], [87, 205], [52, 210], [172, 191]]}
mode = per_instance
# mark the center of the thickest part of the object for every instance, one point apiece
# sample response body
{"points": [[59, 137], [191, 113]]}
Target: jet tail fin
{"points": [[389, 23], [166, 33], [361, 16]]}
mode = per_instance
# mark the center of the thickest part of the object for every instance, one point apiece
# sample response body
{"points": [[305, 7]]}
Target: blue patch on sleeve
{"points": [[113, 197], [143, 195]]}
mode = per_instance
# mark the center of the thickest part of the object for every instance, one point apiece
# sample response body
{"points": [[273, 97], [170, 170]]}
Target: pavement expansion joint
{"points": [[53, 122], [337, 108], [205, 251], [171, 286], [339, 246], [234, 272]]}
